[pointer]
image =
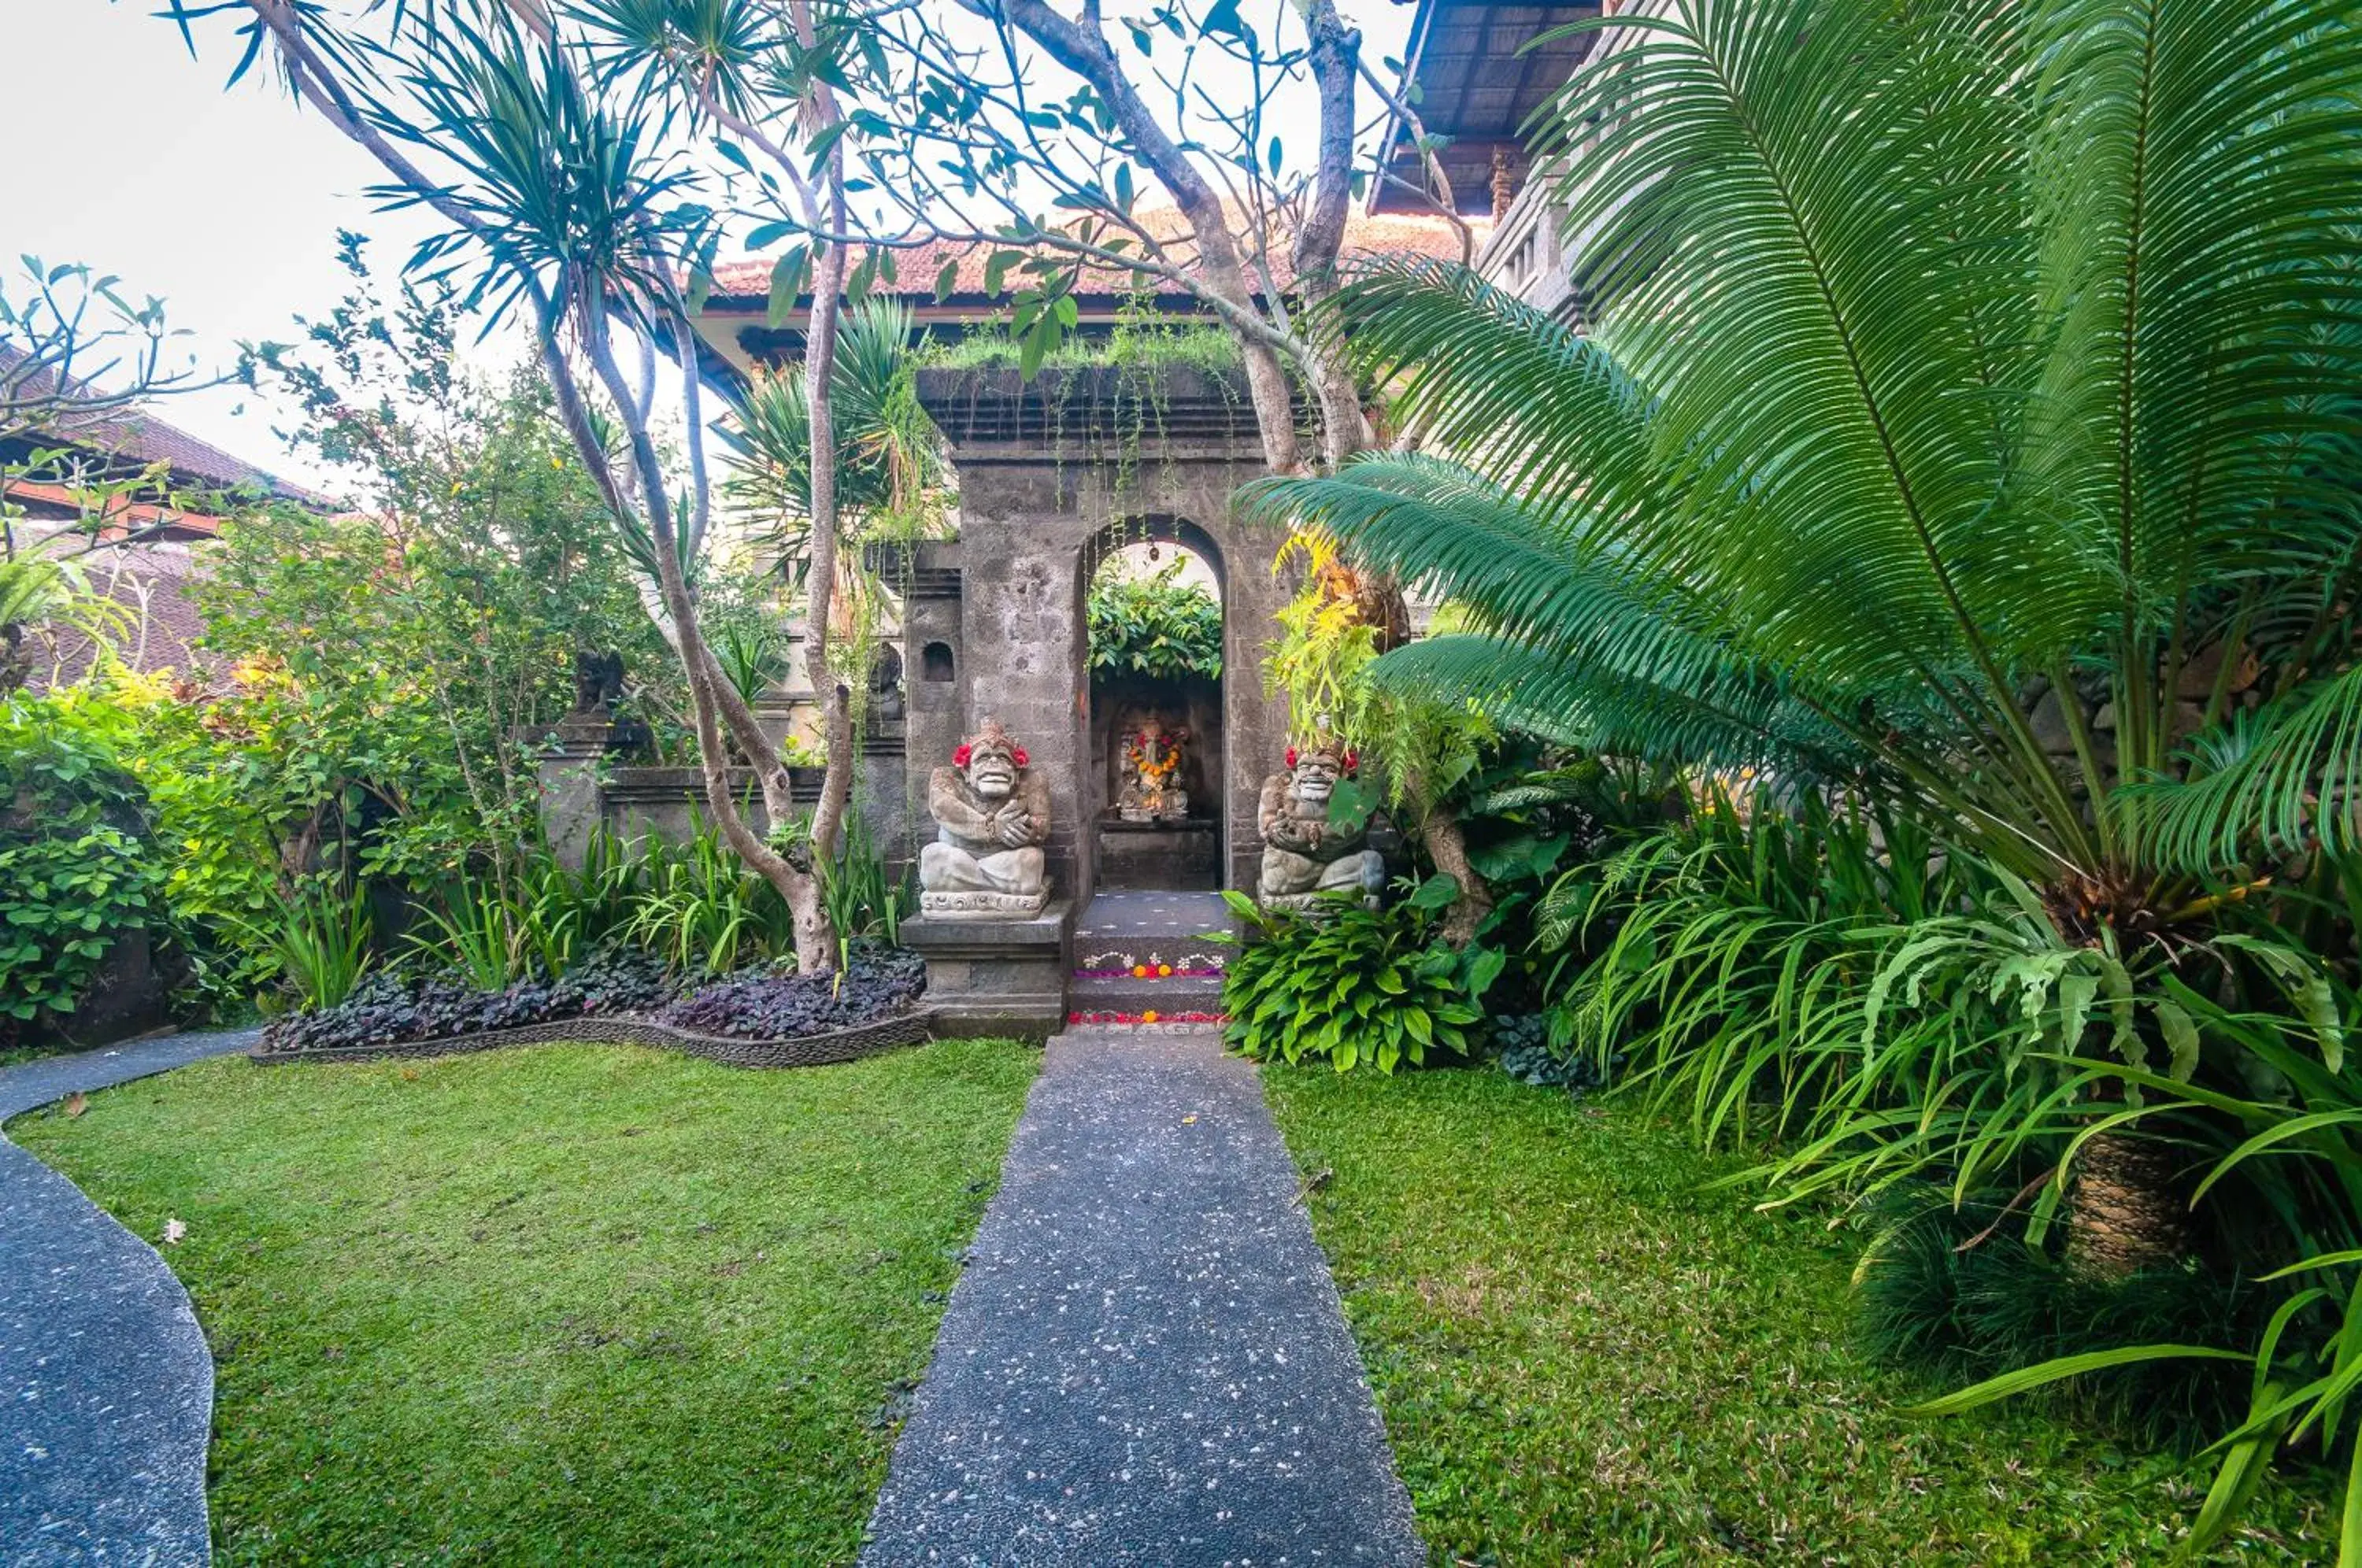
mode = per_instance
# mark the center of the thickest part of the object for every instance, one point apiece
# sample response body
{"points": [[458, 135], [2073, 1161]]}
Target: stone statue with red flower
{"points": [[1310, 847], [991, 820]]}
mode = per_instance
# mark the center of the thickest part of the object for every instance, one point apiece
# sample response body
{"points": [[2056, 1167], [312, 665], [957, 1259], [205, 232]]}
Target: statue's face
{"points": [[992, 774], [1316, 779]]}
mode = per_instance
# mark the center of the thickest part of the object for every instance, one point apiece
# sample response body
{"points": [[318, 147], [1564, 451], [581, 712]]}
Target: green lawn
{"points": [[576, 1304], [1585, 1359]]}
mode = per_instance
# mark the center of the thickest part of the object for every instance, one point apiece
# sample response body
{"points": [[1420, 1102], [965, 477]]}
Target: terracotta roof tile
{"points": [[747, 280], [138, 438]]}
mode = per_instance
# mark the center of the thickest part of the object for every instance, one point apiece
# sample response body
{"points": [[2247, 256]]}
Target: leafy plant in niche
{"points": [[1157, 625]]}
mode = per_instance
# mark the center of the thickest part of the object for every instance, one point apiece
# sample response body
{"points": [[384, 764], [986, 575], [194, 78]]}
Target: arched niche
{"points": [[1144, 836]]}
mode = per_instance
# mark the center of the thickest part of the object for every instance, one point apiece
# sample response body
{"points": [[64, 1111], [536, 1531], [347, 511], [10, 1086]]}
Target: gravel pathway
{"points": [[1145, 1360], [106, 1388]]}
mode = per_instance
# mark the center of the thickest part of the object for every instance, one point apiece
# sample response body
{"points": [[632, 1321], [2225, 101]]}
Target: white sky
{"points": [[225, 204]]}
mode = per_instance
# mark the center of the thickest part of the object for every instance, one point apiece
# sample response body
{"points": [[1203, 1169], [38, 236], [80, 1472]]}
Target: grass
{"points": [[576, 1304], [1583, 1358]]}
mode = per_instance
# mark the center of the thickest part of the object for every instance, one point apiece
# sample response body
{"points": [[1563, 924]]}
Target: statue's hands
{"points": [[1295, 833], [1015, 831]]}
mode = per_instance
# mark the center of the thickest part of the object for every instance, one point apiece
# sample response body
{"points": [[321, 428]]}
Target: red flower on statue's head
{"points": [[961, 754], [1291, 756], [1352, 759], [1018, 756]]}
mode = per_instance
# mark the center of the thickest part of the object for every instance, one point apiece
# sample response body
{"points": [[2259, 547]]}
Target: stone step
{"points": [[1175, 994]]}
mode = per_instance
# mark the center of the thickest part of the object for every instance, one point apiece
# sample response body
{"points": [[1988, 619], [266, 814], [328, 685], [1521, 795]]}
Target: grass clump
{"points": [[1582, 1356], [1143, 347], [576, 1304]]}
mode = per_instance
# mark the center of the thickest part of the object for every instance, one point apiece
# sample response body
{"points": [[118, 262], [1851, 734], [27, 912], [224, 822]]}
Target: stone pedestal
{"points": [[995, 976], [1185, 855]]}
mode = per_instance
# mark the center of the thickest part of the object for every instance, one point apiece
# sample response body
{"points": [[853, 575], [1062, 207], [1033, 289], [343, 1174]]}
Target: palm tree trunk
{"points": [[2126, 1213]]}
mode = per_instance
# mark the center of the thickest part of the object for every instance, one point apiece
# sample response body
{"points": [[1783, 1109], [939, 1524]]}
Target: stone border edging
{"points": [[807, 1051]]}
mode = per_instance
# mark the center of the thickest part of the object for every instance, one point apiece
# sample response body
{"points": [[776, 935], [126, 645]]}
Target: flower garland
{"points": [[1152, 772], [1150, 1016], [1114, 966]]}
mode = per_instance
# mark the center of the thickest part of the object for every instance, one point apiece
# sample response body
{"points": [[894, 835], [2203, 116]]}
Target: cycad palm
{"points": [[1939, 350], [888, 455]]}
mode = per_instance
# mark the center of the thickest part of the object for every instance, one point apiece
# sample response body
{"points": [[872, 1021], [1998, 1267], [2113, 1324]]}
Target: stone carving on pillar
{"points": [[1305, 855], [991, 820], [1152, 758]]}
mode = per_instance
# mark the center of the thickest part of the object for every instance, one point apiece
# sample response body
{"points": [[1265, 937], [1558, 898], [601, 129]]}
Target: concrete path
{"points": [[106, 1388], [1144, 1362]]}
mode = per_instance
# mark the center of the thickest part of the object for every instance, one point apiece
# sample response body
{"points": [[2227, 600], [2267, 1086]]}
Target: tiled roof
{"points": [[749, 280], [138, 438], [151, 585]]}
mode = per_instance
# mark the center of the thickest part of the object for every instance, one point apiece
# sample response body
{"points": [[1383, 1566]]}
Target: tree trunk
{"points": [[1344, 428], [2126, 1213], [815, 940], [1447, 847]]}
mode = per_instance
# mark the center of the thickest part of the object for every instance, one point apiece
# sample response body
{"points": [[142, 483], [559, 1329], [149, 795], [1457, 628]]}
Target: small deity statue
{"points": [[1305, 854], [991, 820], [1151, 759], [598, 681]]}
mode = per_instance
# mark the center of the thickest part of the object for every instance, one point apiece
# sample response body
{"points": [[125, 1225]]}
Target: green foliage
{"points": [[1348, 985], [133, 749], [1959, 1292], [860, 899], [890, 466], [64, 899], [1143, 345], [1768, 507], [395, 667], [702, 910], [319, 942], [1155, 625], [75, 871]]}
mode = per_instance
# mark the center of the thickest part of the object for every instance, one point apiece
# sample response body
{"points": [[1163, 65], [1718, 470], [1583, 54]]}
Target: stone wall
{"points": [[585, 788], [1053, 474]]}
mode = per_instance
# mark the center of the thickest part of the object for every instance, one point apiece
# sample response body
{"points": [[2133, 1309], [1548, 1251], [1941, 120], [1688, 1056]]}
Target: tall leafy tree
{"points": [[568, 159]]}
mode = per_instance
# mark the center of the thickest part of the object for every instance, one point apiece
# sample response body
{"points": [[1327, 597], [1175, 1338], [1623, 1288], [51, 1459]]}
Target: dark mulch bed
{"points": [[878, 982], [391, 1008]]}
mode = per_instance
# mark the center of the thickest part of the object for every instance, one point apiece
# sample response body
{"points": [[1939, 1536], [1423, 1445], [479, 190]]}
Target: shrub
{"points": [[62, 902], [75, 867], [1350, 987], [1960, 1293], [877, 982]]}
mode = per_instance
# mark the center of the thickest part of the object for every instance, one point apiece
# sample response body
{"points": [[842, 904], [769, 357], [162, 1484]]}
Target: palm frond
{"points": [[2282, 779]]}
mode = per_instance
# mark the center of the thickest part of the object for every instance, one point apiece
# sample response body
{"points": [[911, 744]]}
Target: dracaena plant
{"points": [[565, 149]]}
